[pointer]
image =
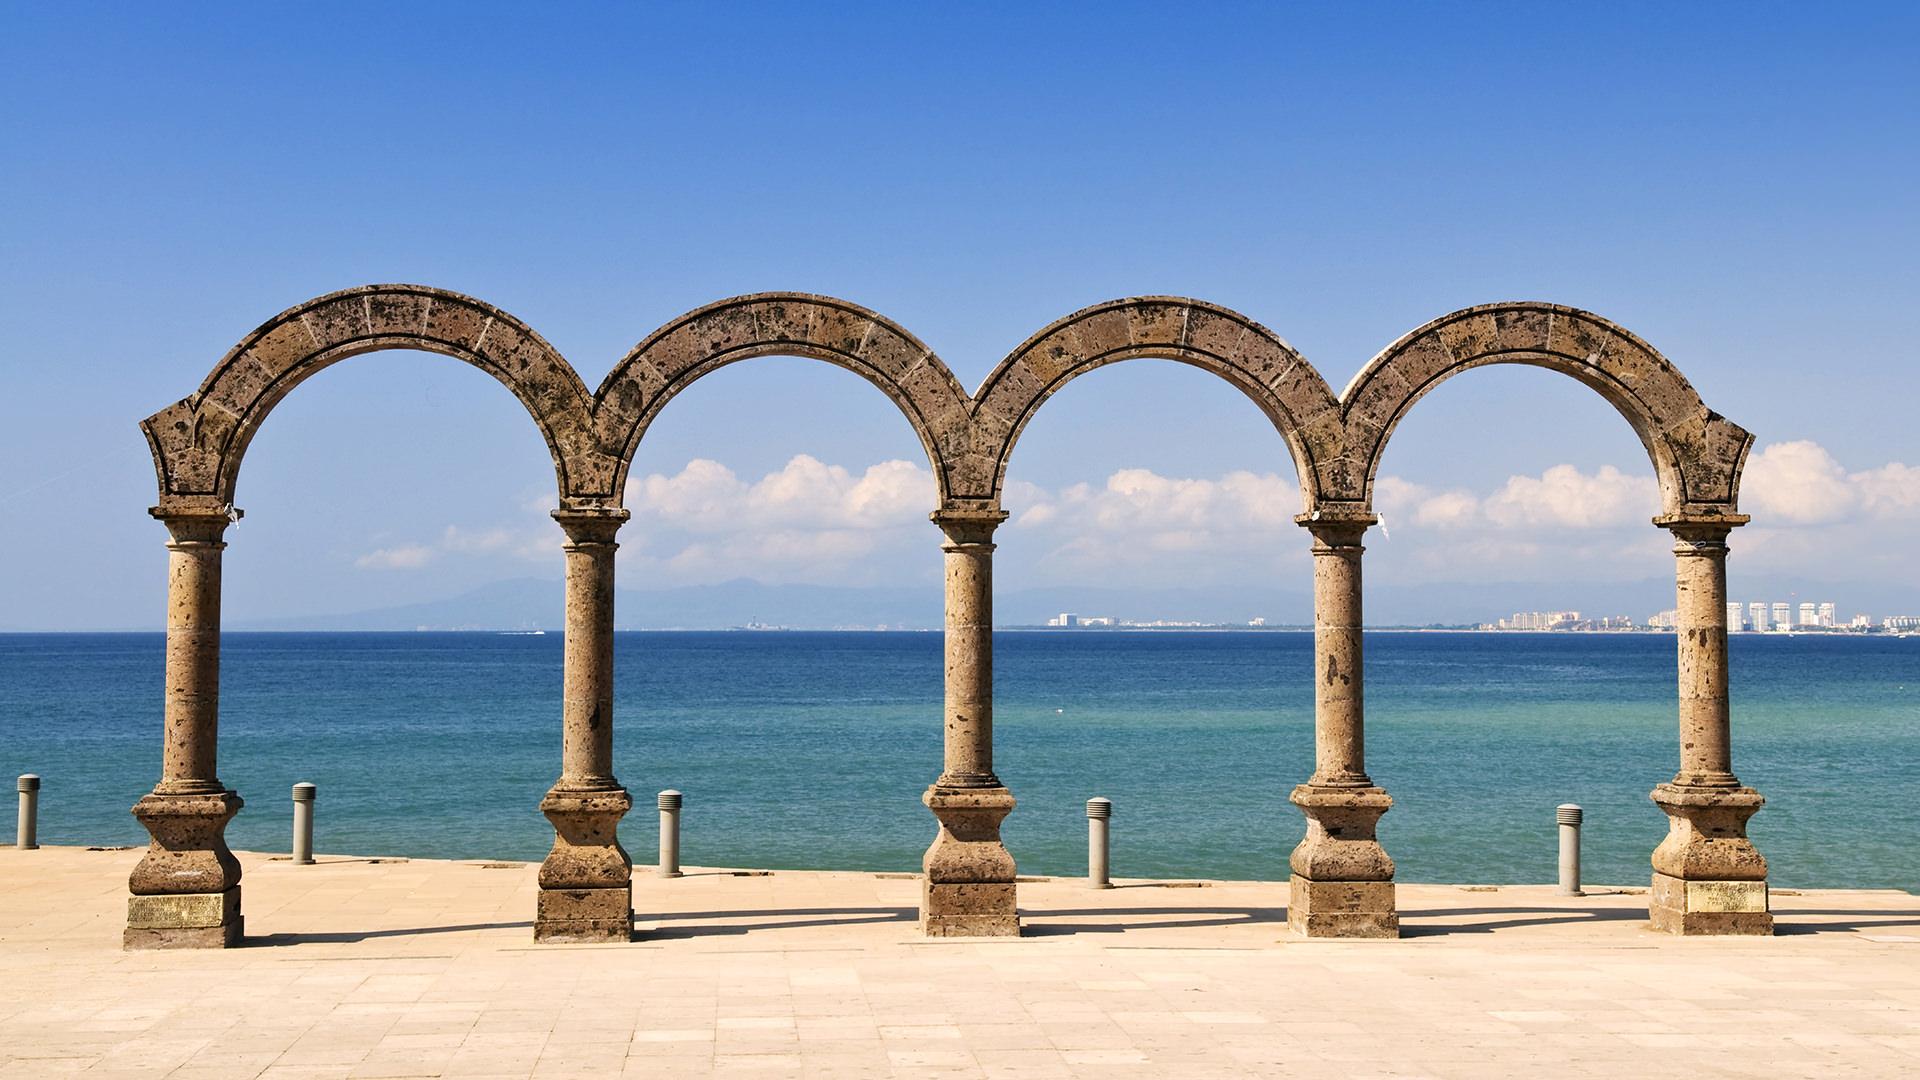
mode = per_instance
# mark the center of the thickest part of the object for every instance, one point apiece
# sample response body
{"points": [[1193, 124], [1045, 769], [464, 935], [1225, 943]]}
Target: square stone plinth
{"points": [[969, 909], [184, 921], [1342, 909], [1678, 906], [584, 915]]}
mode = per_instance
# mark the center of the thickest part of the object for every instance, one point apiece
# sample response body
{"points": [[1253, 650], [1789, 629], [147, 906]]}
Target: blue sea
{"points": [[810, 750]]}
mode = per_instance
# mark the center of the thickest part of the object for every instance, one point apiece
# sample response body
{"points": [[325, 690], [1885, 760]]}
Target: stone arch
{"points": [[779, 324], [198, 442], [1287, 389], [1697, 454]]}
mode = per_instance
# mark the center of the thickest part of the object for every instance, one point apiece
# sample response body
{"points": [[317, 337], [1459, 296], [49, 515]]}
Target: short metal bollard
{"points": [[27, 835], [1569, 817], [303, 795], [1098, 813], [669, 833]]}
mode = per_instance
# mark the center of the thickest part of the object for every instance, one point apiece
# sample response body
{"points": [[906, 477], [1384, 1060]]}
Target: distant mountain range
{"points": [[532, 603]]}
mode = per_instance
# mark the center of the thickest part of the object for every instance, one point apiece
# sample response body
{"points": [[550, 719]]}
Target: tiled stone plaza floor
{"points": [[356, 968]]}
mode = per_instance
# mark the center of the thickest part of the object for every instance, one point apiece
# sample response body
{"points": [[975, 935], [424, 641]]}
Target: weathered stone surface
{"points": [[1679, 906], [968, 909], [592, 905], [969, 874], [225, 936], [183, 910], [1696, 454], [188, 852], [1342, 909]]}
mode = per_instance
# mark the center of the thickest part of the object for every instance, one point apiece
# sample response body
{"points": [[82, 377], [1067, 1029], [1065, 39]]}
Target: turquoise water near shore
{"points": [[810, 750]]}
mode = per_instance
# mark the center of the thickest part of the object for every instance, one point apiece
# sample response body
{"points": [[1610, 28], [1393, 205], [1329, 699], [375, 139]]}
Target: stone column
{"points": [[968, 889], [1707, 876], [186, 889], [1342, 882], [586, 882]]}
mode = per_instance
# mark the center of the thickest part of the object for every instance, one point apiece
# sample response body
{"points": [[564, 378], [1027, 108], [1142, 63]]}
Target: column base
{"points": [[184, 921], [968, 890], [597, 915], [1342, 883], [1690, 908], [1707, 876], [968, 910], [586, 882], [1342, 909]]}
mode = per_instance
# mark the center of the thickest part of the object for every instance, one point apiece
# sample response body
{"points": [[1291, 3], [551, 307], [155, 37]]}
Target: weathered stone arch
{"points": [[1697, 454], [1269, 371], [198, 442], [780, 324]]}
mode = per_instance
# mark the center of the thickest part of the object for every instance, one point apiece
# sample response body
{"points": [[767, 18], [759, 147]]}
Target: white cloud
{"points": [[707, 497], [1801, 483], [1565, 497], [815, 522], [400, 557], [1562, 497]]}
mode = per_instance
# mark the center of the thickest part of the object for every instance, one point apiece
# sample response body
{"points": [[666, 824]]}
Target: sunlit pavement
{"points": [[358, 967]]}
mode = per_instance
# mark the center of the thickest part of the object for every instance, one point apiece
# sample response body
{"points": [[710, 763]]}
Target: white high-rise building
{"points": [[1827, 614], [1782, 615], [1808, 615], [1757, 616], [1735, 620]]}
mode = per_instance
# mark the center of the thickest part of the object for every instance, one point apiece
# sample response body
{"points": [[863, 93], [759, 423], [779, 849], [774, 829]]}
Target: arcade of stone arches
{"points": [[1707, 876]]}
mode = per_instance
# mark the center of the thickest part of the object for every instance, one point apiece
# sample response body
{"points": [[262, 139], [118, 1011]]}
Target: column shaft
{"points": [[1339, 698], [586, 757], [1706, 758], [192, 716], [969, 659]]}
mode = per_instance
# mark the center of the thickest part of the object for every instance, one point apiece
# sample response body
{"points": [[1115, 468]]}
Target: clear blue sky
{"points": [[1736, 183]]}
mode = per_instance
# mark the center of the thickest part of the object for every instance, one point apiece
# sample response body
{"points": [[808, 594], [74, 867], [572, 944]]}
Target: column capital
{"points": [[592, 524], [1699, 533], [1336, 527], [195, 519], [968, 525]]}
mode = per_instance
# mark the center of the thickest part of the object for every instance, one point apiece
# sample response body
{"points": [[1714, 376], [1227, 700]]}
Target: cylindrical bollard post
{"points": [[27, 836], [1569, 818], [303, 794], [1098, 812], [669, 833]]}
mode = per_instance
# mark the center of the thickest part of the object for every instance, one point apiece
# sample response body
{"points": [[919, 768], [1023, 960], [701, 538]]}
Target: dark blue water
{"points": [[800, 749]]}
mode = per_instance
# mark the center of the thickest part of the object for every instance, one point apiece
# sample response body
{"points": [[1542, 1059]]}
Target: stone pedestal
{"points": [[186, 889], [586, 882], [1342, 884], [1708, 878], [968, 889]]}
